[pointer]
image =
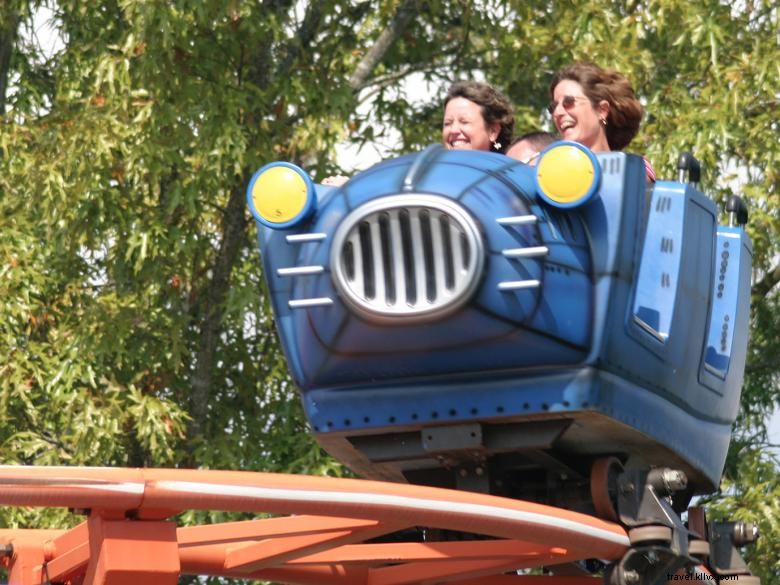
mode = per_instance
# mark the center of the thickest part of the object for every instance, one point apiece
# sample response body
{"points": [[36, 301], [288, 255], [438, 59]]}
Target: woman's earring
{"points": [[604, 122], [497, 145]]}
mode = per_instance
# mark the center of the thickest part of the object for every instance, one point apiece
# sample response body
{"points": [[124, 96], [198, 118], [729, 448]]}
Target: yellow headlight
{"points": [[567, 174], [280, 195]]}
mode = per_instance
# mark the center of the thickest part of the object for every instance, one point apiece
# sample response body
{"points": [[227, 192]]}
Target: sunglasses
{"points": [[568, 102]]}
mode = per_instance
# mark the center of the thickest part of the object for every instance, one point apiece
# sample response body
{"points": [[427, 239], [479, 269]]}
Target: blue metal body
{"points": [[634, 339]]}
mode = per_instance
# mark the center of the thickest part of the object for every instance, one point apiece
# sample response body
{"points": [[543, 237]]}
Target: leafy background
{"points": [[134, 324]]}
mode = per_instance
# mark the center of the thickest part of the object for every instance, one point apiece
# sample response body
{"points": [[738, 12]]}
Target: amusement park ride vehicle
{"points": [[536, 366]]}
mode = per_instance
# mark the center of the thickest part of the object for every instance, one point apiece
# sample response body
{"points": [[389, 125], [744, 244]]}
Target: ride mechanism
{"points": [[532, 367]]}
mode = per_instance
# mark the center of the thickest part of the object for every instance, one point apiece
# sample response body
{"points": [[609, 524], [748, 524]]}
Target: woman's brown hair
{"points": [[625, 111]]}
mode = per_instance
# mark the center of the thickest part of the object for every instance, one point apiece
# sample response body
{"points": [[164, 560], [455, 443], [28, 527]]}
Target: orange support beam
{"points": [[331, 532], [26, 558], [533, 580], [418, 552], [68, 554], [125, 552]]}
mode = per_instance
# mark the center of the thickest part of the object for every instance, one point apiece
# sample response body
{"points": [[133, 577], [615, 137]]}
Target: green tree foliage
{"points": [[750, 493], [134, 325]]}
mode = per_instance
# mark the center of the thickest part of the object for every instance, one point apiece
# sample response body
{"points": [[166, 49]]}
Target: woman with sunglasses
{"points": [[595, 107]]}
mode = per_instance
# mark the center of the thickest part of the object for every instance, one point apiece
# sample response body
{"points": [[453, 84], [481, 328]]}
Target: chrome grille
{"points": [[407, 256]]}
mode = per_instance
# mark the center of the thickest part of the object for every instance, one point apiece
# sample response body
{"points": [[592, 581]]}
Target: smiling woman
{"points": [[595, 107], [476, 117]]}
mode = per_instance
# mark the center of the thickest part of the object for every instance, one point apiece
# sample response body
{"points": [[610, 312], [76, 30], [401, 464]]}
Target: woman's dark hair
{"points": [[495, 106], [625, 111]]}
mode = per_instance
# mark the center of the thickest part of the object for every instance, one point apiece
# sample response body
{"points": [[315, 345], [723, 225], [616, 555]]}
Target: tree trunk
{"points": [[234, 219], [764, 286], [8, 30], [234, 235]]}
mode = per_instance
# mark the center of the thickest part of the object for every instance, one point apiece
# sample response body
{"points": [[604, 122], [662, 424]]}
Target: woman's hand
{"points": [[335, 181]]}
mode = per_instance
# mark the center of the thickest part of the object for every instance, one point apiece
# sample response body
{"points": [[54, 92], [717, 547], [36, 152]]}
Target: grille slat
{"points": [[438, 256], [419, 254], [458, 260], [388, 253], [367, 273], [406, 241], [399, 269], [407, 256], [377, 260], [356, 278], [427, 240], [449, 269]]}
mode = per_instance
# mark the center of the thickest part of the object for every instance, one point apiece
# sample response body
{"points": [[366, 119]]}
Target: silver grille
{"points": [[407, 256]]}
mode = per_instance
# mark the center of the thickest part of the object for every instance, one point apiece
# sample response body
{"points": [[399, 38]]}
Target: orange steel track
{"points": [[328, 531]]}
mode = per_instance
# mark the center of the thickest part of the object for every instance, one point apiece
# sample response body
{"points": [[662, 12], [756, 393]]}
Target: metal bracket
{"points": [[658, 536], [644, 505], [647, 565], [725, 538], [642, 501], [452, 438]]}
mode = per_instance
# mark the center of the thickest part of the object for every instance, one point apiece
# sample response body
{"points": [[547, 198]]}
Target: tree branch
{"points": [[764, 286], [8, 30], [406, 12], [306, 34], [381, 82], [262, 58]]}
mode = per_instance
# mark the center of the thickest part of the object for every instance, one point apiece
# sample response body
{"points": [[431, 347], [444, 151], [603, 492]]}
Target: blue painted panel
{"points": [[659, 267], [725, 296], [725, 348], [566, 307]]}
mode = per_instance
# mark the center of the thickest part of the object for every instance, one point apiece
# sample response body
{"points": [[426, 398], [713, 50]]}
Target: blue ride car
{"points": [[458, 318]]}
